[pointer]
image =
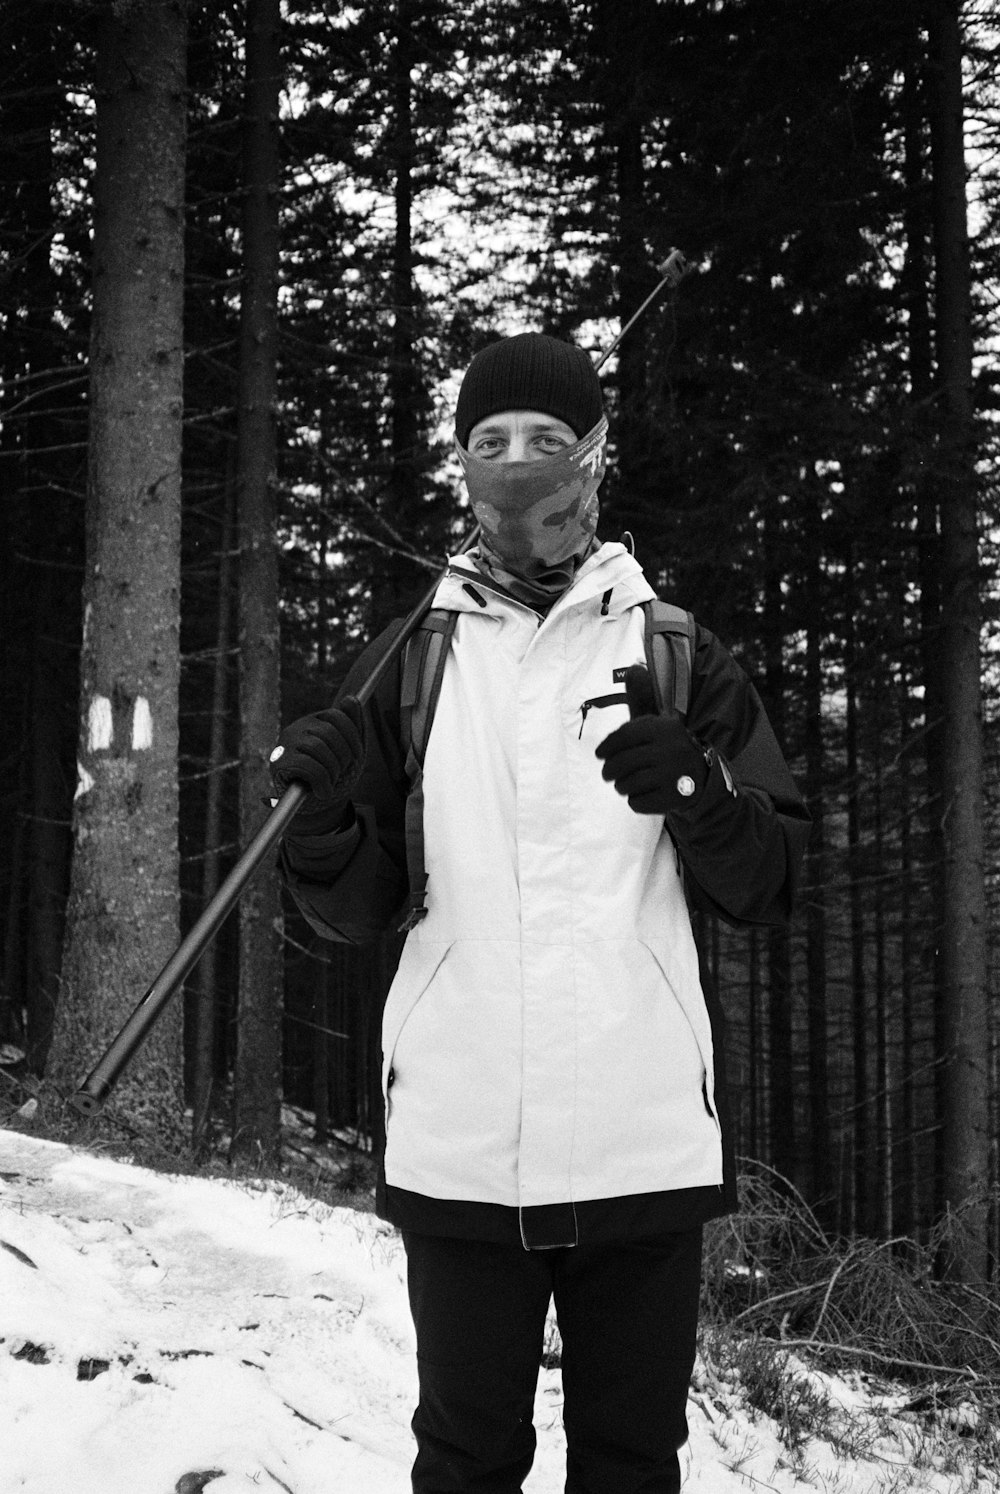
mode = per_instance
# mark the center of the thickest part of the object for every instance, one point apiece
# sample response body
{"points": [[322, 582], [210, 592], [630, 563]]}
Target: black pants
{"points": [[627, 1318]]}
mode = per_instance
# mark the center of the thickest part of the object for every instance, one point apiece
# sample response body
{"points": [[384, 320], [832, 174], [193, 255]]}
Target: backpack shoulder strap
{"points": [[669, 637], [424, 659], [423, 669]]}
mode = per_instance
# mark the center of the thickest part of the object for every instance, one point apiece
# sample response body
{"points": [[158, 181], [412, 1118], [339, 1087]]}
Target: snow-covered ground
{"points": [[161, 1335]]}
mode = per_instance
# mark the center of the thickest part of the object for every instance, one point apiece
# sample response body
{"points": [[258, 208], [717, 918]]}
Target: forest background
{"points": [[246, 251]]}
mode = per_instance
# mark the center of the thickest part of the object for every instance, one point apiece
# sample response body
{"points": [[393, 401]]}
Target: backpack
{"points": [[669, 642]]}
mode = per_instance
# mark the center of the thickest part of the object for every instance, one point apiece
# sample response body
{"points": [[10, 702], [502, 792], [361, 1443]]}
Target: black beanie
{"points": [[530, 372]]}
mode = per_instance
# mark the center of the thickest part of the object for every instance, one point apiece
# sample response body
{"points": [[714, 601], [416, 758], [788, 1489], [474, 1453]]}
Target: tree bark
{"points": [[966, 1015], [122, 916], [257, 1079]]}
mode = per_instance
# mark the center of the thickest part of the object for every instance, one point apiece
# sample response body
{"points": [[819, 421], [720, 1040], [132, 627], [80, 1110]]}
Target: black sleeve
{"points": [[350, 884], [741, 850]]}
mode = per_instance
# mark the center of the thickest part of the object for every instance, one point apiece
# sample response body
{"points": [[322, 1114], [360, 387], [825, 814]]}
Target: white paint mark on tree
{"points": [[142, 725], [84, 782], [99, 725]]}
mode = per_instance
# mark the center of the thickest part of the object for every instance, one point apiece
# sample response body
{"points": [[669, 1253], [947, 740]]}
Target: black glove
{"points": [[326, 753], [652, 760]]}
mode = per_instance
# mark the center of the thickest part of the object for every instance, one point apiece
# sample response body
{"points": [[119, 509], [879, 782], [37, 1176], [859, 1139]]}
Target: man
{"points": [[555, 1122]]}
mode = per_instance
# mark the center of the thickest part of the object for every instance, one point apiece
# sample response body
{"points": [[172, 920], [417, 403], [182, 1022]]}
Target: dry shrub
{"points": [[856, 1303], [781, 1297]]}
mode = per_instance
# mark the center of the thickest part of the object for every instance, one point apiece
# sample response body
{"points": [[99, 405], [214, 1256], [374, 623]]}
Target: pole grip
{"points": [[94, 1090]]}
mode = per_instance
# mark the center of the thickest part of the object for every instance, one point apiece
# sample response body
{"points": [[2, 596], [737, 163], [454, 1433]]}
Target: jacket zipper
{"points": [[598, 702]]}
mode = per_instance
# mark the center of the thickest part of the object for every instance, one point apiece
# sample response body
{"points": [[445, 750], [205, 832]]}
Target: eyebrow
{"points": [[542, 424]]}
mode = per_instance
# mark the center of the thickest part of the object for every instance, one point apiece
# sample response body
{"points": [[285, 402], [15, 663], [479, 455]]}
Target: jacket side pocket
{"points": [[419, 963]]}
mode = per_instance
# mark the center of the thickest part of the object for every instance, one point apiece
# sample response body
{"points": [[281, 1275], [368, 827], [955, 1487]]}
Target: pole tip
{"points": [[86, 1104]]}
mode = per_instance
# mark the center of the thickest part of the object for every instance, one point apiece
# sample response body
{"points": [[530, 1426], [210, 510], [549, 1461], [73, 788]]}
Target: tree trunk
{"points": [[122, 917], [15, 1017], [755, 1053], [882, 1150], [405, 429], [321, 1050], [783, 1139], [49, 858], [966, 1015], [42, 565], [327, 1062], [626, 30], [906, 1206], [862, 1214], [816, 868], [206, 998], [392, 589], [916, 298], [257, 1080]]}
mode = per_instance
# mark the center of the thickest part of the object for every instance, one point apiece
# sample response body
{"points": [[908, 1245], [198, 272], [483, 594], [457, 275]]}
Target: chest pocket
{"points": [[600, 703]]}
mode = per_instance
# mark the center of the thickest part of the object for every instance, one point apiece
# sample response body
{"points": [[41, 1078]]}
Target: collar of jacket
{"points": [[611, 581]]}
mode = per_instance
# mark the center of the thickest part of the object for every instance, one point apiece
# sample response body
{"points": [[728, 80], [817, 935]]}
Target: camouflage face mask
{"points": [[538, 518]]}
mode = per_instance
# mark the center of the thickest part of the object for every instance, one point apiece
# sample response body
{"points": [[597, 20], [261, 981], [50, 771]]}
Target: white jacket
{"points": [[546, 1038]]}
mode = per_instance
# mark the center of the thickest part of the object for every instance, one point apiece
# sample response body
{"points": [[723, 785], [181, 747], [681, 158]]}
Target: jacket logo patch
{"points": [[618, 675]]}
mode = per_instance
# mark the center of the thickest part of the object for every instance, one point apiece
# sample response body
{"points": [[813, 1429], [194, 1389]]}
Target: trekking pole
{"points": [[672, 272], [93, 1092], [95, 1089]]}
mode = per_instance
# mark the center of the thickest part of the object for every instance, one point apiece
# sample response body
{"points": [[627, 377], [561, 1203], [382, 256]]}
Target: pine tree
{"points": [[122, 919], [44, 138], [257, 1113], [966, 1022]]}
